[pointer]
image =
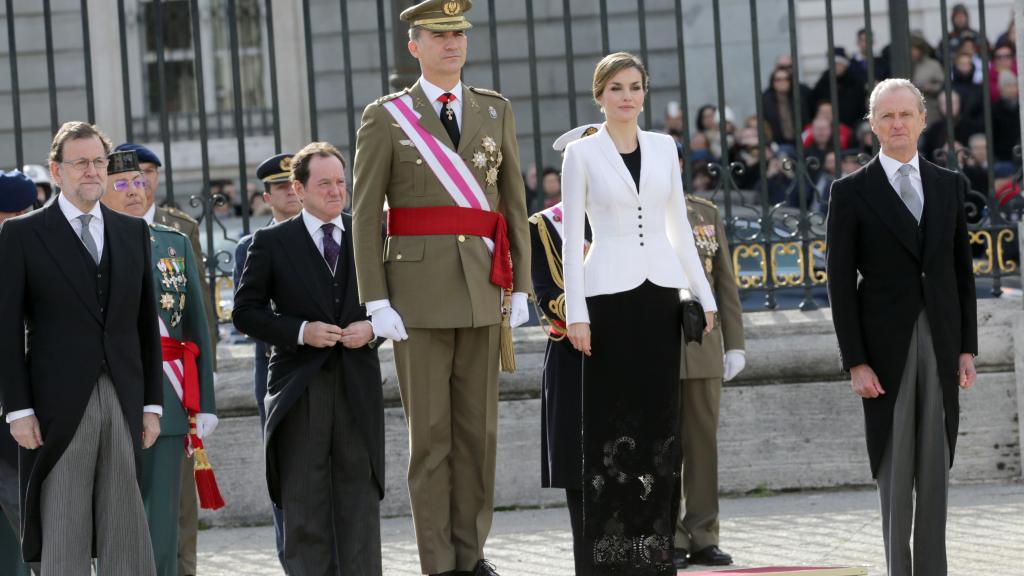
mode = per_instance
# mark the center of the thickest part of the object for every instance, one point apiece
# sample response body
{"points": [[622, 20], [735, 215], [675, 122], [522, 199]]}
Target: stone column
{"points": [[290, 53], [406, 69], [105, 38]]}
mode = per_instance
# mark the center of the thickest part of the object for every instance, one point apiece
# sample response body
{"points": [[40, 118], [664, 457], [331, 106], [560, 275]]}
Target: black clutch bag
{"points": [[691, 317]]}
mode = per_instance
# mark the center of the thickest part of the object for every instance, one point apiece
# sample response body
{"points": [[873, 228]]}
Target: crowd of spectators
{"points": [[813, 129]]}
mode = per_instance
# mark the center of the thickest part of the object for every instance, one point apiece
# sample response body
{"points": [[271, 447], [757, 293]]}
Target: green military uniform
{"points": [[439, 285], [179, 304], [701, 382], [188, 522]]}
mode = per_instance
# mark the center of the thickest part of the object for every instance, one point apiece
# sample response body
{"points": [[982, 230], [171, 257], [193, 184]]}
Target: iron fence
{"points": [[776, 246]]}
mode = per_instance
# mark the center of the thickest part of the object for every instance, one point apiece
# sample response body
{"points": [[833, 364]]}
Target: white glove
{"points": [[388, 324], [520, 309], [205, 424], [735, 362]]}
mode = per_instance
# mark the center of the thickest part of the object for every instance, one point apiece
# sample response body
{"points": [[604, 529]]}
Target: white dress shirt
{"points": [[432, 92], [892, 172], [72, 212], [150, 214], [313, 226]]}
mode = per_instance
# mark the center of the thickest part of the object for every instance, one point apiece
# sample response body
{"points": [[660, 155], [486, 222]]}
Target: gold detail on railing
{"points": [[749, 251], [818, 277], [223, 312], [982, 237], [788, 249], [1004, 235]]}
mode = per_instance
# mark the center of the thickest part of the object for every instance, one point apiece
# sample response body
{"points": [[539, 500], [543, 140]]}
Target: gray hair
{"points": [[414, 33], [889, 85]]}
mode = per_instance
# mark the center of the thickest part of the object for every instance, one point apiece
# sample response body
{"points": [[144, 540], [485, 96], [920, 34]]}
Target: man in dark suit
{"points": [[17, 195], [324, 435], [901, 284], [275, 172], [82, 389]]}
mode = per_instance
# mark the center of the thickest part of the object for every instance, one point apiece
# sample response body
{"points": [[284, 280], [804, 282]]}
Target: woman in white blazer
{"points": [[622, 310]]}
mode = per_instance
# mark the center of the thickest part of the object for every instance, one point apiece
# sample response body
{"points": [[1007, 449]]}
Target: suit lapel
{"points": [[429, 119], [471, 120], [613, 157], [884, 200], [59, 239], [933, 205], [305, 260]]}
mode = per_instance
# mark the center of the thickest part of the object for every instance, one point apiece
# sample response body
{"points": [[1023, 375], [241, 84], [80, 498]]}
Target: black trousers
{"points": [[328, 494]]}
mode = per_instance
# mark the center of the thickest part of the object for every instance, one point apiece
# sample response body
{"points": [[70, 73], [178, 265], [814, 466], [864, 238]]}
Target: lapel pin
{"points": [[492, 112]]}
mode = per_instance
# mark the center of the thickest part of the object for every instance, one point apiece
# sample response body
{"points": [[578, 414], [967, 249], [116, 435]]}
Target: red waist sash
{"points": [[187, 352], [437, 220]]}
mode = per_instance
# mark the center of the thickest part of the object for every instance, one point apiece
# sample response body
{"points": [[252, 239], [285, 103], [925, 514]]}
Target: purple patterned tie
{"points": [[331, 248]]}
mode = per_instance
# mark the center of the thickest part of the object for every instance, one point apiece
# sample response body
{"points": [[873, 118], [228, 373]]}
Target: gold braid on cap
{"points": [[429, 21]]}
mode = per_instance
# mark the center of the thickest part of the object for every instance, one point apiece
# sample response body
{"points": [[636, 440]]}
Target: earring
{"points": [[641, 107], [602, 110]]}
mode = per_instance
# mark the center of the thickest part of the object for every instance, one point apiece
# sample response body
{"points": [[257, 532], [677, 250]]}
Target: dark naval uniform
{"points": [[180, 307], [701, 384]]}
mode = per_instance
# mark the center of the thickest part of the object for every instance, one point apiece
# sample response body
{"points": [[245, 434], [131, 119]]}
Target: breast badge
{"points": [[492, 158]]}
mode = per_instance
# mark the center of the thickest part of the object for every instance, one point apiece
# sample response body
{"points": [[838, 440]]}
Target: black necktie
{"points": [[448, 120]]}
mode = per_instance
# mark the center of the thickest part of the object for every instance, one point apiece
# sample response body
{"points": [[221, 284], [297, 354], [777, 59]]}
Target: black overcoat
{"points": [[55, 338], [284, 267], [883, 269]]}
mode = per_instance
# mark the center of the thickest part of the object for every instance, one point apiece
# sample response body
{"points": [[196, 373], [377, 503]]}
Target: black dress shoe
{"points": [[681, 558], [710, 556], [485, 568]]}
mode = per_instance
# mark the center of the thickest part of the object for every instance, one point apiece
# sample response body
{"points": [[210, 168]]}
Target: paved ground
{"points": [[985, 535]]}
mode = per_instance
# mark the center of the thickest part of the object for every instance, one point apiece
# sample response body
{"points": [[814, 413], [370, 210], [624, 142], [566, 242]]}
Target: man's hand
{"points": [[734, 361], [967, 372], [579, 335], [865, 382], [357, 334], [321, 335], [150, 429], [388, 324], [205, 424], [27, 433], [520, 312]]}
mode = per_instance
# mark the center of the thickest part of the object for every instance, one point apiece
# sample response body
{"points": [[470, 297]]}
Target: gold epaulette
{"points": [[698, 200], [390, 97], [486, 92]]}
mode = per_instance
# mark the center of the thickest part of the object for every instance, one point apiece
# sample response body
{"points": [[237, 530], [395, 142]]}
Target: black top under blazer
{"points": [[883, 269]]}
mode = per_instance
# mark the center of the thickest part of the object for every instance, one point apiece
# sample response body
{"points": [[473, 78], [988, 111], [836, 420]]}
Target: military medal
{"points": [[166, 301], [492, 112], [171, 251], [492, 176], [175, 318], [489, 144], [479, 159], [181, 302], [448, 111]]}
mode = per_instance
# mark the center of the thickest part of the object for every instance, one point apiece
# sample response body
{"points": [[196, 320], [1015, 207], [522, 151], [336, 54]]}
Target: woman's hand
{"points": [[579, 335], [710, 318]]}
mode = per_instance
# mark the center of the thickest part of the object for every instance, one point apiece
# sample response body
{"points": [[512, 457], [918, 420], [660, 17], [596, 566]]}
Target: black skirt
{"points": [[630, 426], [561, 437]]}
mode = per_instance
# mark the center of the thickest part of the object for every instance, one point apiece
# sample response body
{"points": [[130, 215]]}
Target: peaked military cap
{"points": [[438, 15], [144, 154], [123, 161], [575, 134], [17, 191], [277, 168]]}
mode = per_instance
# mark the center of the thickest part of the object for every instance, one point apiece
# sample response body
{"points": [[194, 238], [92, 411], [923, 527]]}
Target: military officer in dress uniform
{"points": [[171, 217], [275, 172], [17, 195], [182, 319], [445, 158], [561, 406], [719, 357]]}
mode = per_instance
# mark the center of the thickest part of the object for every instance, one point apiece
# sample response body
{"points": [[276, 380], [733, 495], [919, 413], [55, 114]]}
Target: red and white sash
{"points": [[451, 170], [173, 369]]}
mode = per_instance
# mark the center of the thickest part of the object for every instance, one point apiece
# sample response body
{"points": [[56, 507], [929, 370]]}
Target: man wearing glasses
{"points": [[82, 388], [150, 165], [182, 325]]}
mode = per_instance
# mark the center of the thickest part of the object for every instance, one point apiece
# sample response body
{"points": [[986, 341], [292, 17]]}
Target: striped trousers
{"points": [[92, 492]]}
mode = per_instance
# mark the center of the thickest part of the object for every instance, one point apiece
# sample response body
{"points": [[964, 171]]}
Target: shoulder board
{"points": [[165, 230], [179, 215], [536, 218], [701, 201], [390, 97], [486, 92]]}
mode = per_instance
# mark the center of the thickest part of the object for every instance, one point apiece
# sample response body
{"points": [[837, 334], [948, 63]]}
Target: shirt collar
{"points": [[432, 91], [892, 166], [71, 212], [313, 223], [150, 214]]}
